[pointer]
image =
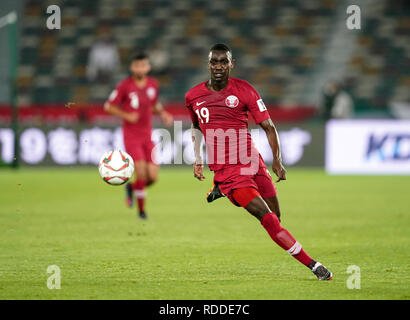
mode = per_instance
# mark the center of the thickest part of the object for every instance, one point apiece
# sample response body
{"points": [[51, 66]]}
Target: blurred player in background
{"points": [[219, 109], [134, 100]]}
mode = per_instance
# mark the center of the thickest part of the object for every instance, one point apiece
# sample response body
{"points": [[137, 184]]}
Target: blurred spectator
{"points": [[159, 60], [400, 110], [336, 102], [103, 60]]}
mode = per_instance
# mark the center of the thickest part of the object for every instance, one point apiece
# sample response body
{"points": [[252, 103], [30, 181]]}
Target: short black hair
{"points": [[139, 56], [220, 47]]}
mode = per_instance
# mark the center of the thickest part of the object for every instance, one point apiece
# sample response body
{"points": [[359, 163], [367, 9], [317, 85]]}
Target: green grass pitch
{"points": [[189, 249]]}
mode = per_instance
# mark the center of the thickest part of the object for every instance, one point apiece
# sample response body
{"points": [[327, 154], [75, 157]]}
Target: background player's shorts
{"points": [[230, 178], [140, 150]]}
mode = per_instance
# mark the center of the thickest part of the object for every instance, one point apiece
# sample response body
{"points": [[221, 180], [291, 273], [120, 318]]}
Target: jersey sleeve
{"points": [[255, 105], [117, 96], [188, 105], [156, 96]]}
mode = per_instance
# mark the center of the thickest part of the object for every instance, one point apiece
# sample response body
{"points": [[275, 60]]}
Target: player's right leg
{"points": [[250, 199]]}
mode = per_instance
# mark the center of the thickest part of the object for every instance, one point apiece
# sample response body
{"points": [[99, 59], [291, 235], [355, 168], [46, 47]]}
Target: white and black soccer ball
{"points": [[116, 167]]}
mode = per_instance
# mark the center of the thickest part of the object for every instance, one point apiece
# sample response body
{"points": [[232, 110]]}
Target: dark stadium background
{"points": [[289, 50]]}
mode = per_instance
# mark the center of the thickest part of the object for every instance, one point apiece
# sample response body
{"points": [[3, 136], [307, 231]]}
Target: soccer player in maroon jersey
{"points": [[219, 109], [134, 100]]}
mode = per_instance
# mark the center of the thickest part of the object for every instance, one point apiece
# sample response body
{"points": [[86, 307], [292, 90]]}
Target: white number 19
{"points": [[203, 115]]}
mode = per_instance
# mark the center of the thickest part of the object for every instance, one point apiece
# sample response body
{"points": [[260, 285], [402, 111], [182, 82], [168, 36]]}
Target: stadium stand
{"points": [[380, 65], [277, 45]]}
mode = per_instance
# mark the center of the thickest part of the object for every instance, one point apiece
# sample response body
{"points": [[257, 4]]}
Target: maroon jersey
{"points": [[134, 99], [222, 115]]}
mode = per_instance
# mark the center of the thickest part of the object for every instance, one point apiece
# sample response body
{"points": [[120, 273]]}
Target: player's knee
{"points": [[271, 221], [140, 170], [273, 204], [276, 211], [260, 213], [141, 175], [142, 178], [151, 180]]}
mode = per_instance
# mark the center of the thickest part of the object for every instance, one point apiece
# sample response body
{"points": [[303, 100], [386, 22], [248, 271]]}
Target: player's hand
{"points": [[166, 118], [198, 171], [279, 170], [132, 117]]}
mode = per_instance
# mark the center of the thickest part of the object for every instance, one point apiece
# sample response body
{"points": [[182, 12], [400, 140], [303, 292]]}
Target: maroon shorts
{"points": [[230, 178], [140, 150]]}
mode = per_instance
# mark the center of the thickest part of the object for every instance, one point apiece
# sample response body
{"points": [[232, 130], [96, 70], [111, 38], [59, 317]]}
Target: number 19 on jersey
{"points": [[203, 114]]}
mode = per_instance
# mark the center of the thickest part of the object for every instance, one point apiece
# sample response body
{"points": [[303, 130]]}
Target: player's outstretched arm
{"points": [[166, 117], [197, 140], [273, 138], [131, 117]]}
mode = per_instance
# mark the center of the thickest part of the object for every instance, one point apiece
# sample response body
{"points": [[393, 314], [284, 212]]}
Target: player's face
{"points": [[140, 68], [220, 65]]}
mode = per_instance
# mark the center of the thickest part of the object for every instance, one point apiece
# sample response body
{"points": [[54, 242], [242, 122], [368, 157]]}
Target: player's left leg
{"points": [[152, 162], [139, 186], [267, 189], [135, 151], [273, 204], [152, 173], [250, 199], [146, 171]]}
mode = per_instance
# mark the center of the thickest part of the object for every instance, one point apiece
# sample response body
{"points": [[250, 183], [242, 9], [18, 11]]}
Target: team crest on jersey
{"points": [[151, 93], [232, 101]]}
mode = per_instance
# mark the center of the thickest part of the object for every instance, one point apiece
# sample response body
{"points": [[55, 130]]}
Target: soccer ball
{"points": [[116, 167]]}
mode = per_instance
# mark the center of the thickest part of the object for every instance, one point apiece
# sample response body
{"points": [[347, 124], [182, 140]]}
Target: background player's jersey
{"points": [[134, 99], [226, 109]]}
